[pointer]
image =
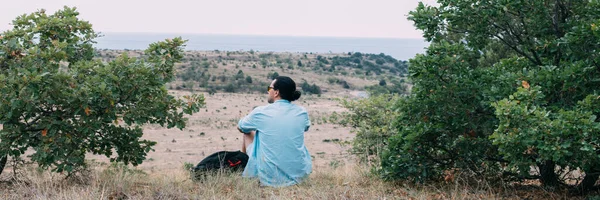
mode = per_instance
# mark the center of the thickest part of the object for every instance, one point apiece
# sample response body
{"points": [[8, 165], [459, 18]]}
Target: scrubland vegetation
{"points": [[503, 104]]}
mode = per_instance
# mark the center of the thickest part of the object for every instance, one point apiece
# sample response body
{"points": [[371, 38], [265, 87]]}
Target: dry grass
{"points": [[344, 182]]}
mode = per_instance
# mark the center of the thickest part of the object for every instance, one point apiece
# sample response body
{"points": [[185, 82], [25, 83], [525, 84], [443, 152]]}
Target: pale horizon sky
{"points": [[326, 18]]}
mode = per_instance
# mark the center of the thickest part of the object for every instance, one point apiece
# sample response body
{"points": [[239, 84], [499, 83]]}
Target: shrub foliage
{"points": [[60, 102], [506, 88]]}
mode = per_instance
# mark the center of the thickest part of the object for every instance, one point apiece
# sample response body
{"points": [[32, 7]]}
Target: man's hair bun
{"points": [[297, 95]]}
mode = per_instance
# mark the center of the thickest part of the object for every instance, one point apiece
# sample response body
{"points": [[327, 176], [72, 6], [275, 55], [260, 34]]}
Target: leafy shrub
{"points": [[312, 89], [372, 120], [467, 111], [63, 104], [230, 88], [529, 134], [272, 75]]}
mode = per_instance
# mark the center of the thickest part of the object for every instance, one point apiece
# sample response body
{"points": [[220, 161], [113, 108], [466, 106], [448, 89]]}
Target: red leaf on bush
{"points": [[87, 111], [525, 84]]}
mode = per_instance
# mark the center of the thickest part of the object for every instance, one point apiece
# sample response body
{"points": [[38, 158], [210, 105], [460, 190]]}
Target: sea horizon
{"points": [[399, 48]]}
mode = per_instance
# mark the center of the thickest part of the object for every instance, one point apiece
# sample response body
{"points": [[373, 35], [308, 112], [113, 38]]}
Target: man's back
{"points": [[278, 155]]}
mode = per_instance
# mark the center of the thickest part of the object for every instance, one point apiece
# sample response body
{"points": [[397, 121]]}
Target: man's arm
{"points": [[249, 122], [307, 122]]}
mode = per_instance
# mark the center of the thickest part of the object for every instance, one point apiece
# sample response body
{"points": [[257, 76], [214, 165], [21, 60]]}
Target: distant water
{"points": [[402, 49]]}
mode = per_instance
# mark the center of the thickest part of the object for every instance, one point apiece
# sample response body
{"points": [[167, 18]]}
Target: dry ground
{"points": [[214, 129]]}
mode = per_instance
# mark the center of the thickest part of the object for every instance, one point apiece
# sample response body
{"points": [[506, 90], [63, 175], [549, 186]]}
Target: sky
{"points": [[335, 18]]}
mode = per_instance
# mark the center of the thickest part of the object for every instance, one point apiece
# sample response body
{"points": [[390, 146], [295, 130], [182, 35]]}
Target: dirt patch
{"points": [[214, 129]]}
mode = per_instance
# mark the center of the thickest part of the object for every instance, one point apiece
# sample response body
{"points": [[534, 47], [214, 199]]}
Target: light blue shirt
{"points": [[277, 156]]}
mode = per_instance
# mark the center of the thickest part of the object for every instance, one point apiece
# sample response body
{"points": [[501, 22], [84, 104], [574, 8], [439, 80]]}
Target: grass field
{"points": [[348, 181], [336, 173]]}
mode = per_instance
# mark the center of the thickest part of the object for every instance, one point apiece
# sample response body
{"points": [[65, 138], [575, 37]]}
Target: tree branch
{"points": [[520, 52]]}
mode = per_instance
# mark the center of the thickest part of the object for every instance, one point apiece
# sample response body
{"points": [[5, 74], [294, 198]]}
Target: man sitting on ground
{"points": [[274, 137]]}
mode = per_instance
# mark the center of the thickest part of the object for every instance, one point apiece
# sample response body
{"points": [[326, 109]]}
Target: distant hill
{"points": [[251, 71]]}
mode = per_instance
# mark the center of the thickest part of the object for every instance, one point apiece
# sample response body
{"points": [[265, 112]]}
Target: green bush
{"points": [[62, 104], [472, 108], [272, 75], [312, 89], [230, 88], [332, 80], [372, 120], [397, 88], [529, 134], [239, 75], [443, 124]]}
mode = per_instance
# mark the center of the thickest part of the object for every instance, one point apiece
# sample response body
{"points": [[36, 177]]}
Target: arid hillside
{"points": [[250, 71]]}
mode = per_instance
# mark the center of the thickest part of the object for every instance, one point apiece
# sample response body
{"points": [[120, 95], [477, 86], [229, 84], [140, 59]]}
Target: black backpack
{"points": [[220, 161]]}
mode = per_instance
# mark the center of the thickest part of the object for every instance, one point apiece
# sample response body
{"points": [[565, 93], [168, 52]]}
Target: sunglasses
{"points": [[269, 88]]}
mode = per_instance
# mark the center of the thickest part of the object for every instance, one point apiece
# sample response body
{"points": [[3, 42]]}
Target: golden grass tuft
{"points": [[349, 181]]}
